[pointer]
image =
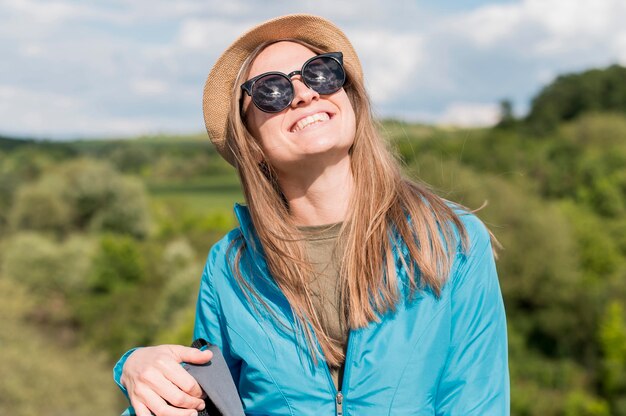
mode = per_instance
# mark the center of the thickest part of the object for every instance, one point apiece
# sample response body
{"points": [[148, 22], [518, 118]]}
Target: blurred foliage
{"points": [[612, 339], [81, 195], [19, 163], [102, 244], [46, 265], [120, 290], [571, 95], [42, 376]]}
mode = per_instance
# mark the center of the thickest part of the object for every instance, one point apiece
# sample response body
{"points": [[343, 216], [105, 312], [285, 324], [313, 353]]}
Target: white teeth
{"points": [[307, 121]]}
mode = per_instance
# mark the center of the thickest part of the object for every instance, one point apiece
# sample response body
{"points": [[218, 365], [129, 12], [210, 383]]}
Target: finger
{"points": [[181, 378], [161, 385], [191, 355], [160, 407], [140, 409]]}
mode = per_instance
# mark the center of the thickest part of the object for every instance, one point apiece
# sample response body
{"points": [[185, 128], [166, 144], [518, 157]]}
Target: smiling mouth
{"points": [[310, 121]]}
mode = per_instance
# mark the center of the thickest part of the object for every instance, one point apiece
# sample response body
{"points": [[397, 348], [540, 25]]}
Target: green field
{"points": [[202, 195]]}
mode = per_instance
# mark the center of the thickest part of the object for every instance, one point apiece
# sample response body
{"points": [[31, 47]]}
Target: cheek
{"points": [[264, 127], [256, 121]]}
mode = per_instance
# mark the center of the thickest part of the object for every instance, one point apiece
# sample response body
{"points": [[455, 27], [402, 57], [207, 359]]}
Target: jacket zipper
{"points": [[339, 404], [339, 394]]}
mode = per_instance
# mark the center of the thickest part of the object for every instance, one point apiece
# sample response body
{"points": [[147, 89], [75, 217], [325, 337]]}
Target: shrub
{"points": [[82, 195], [41, 206]]}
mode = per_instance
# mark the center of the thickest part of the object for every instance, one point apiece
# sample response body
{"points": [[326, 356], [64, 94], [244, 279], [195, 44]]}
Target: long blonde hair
{"points": [[394, 214]]}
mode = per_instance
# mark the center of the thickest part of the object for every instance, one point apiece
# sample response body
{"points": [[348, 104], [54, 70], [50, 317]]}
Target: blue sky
{"points": [[74, 69]]}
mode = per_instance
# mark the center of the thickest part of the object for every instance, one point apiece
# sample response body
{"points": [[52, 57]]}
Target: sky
{"points": [[121, 68]]}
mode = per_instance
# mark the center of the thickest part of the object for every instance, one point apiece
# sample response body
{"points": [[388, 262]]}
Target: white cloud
{"points": [[546, 76], [209, 34], [149, 87], [561, 18], [31, 50], [390, 61], [543, 27], [26, 112], [45, 12], [97, 67], [620, 48], [469, 114], [487, 25]]}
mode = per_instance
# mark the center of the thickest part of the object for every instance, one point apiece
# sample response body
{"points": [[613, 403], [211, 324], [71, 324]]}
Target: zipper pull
{"points": [[339, 404]]}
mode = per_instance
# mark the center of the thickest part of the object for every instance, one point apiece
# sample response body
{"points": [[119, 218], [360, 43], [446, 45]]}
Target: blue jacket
{"points": [[443, 355]]}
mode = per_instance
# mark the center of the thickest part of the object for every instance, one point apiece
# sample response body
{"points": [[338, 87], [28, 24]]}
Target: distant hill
{"points": [[8, 143], [570, 95]]}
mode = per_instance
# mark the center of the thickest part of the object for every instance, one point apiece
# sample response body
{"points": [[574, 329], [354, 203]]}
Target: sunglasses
{"points": [[272, 92]]}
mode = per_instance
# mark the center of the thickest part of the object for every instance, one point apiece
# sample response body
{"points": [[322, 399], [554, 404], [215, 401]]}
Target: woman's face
{"points": [[313, 129]]}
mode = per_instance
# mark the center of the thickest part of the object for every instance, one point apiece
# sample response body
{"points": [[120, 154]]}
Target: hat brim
{"points": [[218, 89]]}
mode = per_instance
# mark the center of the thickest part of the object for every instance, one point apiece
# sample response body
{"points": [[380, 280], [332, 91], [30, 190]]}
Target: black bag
{"points": [[215, 379]]}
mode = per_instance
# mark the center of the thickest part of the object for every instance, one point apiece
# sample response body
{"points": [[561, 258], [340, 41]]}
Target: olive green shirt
{"points": [[322, 243]]}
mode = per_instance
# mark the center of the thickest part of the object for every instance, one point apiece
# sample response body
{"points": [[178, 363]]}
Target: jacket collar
{"points": [[250, 236], [245, 223], [269, 289]]}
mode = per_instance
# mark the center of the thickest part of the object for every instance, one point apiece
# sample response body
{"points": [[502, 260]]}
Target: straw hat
{"points": [[218, 89]]}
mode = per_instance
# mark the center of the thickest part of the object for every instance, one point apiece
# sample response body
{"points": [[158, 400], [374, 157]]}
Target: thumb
{"points": [[191, 355]]}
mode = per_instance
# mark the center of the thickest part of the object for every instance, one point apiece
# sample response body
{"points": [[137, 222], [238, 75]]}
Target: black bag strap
{"points": [[215, 379]]}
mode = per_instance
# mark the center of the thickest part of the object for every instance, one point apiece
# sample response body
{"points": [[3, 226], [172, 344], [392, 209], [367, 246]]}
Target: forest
{"points": [[102, 243]]}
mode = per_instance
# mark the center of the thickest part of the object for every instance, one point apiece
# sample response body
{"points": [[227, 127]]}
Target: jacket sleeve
{"points": [[475, 380], [117, 371]]}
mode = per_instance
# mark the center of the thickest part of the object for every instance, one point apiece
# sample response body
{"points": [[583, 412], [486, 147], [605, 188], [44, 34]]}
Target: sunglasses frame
{"points": [[249, 84]]}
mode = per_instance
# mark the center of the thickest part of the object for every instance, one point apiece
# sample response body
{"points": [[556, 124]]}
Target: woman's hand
{"points": [[157, 383]]}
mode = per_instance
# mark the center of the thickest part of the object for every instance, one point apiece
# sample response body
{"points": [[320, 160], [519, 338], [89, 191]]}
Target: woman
{"points": [[347, 289]]}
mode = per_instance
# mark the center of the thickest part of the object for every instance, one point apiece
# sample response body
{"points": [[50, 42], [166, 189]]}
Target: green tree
{"points": [[581, 403], [612, 338], [53, 272], [43, 374], [507, 118], [117, 309], [103, 199], [41, 206], [82, 195], [47, 266], [571, 95]]}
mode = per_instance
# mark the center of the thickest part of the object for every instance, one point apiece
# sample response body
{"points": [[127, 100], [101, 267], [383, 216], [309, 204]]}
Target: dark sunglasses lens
{"points": [[325, 75], [272, 93]]}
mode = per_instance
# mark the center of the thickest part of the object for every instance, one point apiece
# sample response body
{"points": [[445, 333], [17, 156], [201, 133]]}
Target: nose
{"points": [[302, 95]]}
